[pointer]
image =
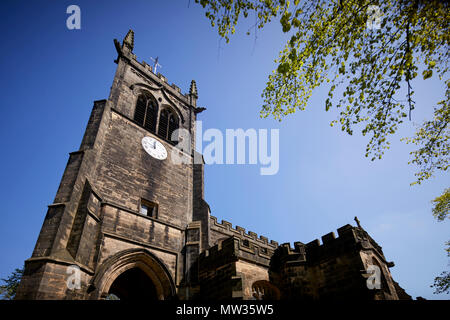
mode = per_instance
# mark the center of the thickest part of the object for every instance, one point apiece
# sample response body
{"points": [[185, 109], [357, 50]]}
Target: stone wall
{"points": [[95, 213], [250, 273], [126, 173], [335, 269], [229, 269], [95, 225], [224, 230]]}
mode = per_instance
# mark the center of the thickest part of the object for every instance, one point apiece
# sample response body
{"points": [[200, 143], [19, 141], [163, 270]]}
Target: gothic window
{"points": [[145, 112], [148, 208], [168, 123], [163, 123], [173, 125]]}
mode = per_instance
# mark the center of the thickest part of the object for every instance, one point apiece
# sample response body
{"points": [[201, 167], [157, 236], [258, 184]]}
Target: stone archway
{"points": [[132, 285], [136, 270]]}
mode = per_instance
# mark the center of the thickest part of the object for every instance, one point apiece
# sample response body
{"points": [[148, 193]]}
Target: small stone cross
{"points": [[357, 222]]}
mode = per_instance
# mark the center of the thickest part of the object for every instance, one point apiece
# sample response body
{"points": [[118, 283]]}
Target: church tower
{"points": [[129, 217]]}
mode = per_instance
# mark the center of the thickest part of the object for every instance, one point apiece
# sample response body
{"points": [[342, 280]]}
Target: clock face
{"points": [[154, 148]]}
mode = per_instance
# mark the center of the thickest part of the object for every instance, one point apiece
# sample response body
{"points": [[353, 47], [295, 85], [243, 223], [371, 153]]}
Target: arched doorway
{"points": [[134, 274], [133, 285]]}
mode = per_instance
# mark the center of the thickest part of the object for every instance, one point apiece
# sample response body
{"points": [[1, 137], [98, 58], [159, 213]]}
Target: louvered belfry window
{"points": [[173, 125], [145, 113], [163, 123], [168, 123]]}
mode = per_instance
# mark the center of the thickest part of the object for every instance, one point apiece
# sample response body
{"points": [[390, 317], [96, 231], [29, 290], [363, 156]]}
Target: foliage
{"points": [[440, 212], [442, 283], [339, 43], [368, 53], [442, 206], [434, 139], [9, 288]]}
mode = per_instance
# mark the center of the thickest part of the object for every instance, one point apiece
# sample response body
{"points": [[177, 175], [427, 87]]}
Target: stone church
{"points": [[131, 224]]}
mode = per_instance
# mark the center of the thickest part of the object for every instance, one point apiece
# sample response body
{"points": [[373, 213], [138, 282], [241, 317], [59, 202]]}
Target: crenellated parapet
{"points": [[331, 268], [148, 75], [147, 70], [226, 228], [233, 249], [349, 238]]}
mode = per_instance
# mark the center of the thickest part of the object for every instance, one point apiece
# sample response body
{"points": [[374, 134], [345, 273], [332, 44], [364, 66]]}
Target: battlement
{"points": [[173, 88], [149, 68], [239, 232], [349, 237], [330, 239], [126, 50], [232, 249], [299, 247], [345, 235]]}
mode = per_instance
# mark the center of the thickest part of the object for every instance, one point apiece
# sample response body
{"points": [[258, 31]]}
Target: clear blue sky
{"points": [[50, 77]]}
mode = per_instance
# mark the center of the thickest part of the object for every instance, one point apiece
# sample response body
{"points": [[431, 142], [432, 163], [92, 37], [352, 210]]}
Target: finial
{"points": [[193, 89], [357, 222], [129, 40]]}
